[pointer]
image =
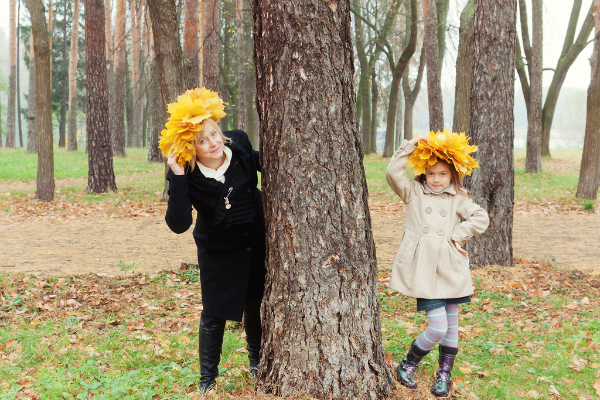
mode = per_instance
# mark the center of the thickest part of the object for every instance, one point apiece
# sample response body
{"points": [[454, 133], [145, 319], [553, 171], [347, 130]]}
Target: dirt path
{"points": [[98, 245]]}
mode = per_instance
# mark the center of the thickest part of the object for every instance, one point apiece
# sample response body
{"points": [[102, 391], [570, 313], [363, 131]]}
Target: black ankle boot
{"points": [[210, 344], [253, 328], [443, 376], [408, 365]]}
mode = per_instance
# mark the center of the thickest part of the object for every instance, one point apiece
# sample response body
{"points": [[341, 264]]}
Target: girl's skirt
{"points": [[430, 304]]}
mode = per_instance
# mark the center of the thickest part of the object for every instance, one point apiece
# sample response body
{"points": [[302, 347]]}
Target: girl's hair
{"points": [[206, 124], [454, 178]]}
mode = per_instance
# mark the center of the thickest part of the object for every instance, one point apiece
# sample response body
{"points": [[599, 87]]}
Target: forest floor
{"points": [[97, 299]]}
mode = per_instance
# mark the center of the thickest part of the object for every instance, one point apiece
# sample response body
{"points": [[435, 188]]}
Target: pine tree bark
{"points": [[118, 125], [41, 47], [64, 95], [156, 118], [464, 71], [434, 87], [18, 78], [321, 321], [533, 158], [191, 43], [101, 177], [135, 13], [110, 66], [72, 129], [492, 129], [374, 101], [12, 75], [129, 140], [242, 65], [410, 95], [212, 18], [31, 100], [589, 173], [398, 69]]}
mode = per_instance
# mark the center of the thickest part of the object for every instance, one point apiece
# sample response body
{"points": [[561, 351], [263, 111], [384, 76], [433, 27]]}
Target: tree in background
{"points": [[242, 64], [492, 129], [156, 112], [432, 50], [135, 12], [72, 123], [41, 45], [110, 65], [533, 94], [101, 177], [191, 43], [31, 124], [12, 75], [410, 95], [464, 71], [118, 132], [210, 45], [322, 272], [589, 173]]}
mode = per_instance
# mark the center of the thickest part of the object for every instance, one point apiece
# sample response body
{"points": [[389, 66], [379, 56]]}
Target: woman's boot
{"points": [[443, 376], [210, 344], [408, 365], [253, 329]]}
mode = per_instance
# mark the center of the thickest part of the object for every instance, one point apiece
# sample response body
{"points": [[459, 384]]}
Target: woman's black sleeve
{"points": [[179, 209], [257, 160]]}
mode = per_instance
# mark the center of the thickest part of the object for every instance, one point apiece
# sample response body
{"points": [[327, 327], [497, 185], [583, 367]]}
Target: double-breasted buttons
{"points": [[426, 230], [245, 233], [443, 213], [444, 195], [249, 249], [441, 233], [428, 210]]}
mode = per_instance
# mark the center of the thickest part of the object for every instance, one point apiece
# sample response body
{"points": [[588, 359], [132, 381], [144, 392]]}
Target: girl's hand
{"points": [[460, 249], [416, 140], [172, 163]]}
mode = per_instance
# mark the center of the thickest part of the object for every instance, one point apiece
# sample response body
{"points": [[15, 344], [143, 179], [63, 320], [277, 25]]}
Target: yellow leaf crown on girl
{"points": [[449, 146], [187, 115]]}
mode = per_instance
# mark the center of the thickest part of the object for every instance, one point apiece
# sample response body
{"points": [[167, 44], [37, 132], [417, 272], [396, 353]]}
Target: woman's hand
{"points": [[460, 249], [416, 140], [172, 163]]}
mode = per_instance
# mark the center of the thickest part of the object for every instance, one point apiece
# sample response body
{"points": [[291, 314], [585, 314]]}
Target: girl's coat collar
{"points": [[450, 189]]}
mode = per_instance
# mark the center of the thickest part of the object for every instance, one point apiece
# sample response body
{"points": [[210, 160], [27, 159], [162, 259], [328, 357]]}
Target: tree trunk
{"points": [[18, 79], [464, 71], [399, 122], [169, 56], [434, 88], [321, 321], [12, 75], [137, 94], [191, 43], [201, 19], [210, 66], [156, 120], [569, 53], [589, 174], [410, 96], [73, 79], [374, 100], [441, 8], [128, 105], [242, 65], [118, 125], [110, 68], [50, 35], [101, 177], [533, 159], [492, 129], [45, 170], [410, 39], [143, 62], [64, 95], [31, 102]]}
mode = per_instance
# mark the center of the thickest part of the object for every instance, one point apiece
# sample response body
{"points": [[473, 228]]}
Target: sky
{"points": [[556, 18]]}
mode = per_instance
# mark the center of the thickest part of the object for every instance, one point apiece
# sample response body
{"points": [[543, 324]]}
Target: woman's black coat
{"points": [[231, 242]]}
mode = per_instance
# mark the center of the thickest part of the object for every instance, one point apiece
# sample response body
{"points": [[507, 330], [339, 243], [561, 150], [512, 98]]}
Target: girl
{"points": [[431, 264], [219, 179]]}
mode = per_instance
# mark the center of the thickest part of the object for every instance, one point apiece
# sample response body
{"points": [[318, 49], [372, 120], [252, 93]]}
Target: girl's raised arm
{"points": [[394, 174]]}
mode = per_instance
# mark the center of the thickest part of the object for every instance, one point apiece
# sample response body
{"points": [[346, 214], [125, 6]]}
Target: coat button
{"points": [[426, 230], [249, 249], [441, 233], [444, 195], [443, 213], [428, 210], [245, 233]]}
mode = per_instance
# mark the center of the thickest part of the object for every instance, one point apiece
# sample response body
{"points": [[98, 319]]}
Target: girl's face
{"points": [[438, 176], [209, 144]]}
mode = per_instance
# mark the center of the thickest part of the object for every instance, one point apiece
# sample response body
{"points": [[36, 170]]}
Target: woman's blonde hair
{"points": [[454, 178], [207, 122]]}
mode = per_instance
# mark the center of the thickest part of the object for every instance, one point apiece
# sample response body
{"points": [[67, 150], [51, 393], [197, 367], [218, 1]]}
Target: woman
{"points": [[220, 182]]}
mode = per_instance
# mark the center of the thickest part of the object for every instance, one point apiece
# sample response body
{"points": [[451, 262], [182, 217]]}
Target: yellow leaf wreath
{"points": [[448, 146], [187, 115]]}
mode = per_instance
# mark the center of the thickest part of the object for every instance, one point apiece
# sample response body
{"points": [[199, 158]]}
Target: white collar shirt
{"points": [[219, 173]]}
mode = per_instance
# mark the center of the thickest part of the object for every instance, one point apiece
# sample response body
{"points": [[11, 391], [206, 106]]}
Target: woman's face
{"points": [[209, 145], [438, 176]]}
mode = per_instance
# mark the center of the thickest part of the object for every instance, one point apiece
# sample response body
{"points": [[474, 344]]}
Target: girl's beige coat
{"points": [[428, 265]]}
